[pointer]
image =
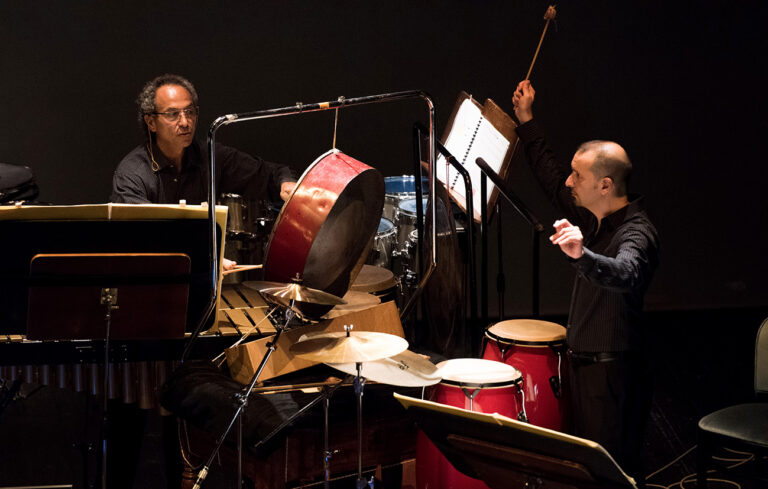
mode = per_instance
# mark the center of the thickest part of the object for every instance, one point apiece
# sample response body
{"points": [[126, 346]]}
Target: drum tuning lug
{"points": [[554, 382]]}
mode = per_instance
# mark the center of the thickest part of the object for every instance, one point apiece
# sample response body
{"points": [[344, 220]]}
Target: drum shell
{"points": [[384, 243], [405, 219], [433, 470], [538, 362]]}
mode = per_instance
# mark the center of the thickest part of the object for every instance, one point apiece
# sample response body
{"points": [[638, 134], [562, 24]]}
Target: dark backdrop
{"points": [[678, 84]]}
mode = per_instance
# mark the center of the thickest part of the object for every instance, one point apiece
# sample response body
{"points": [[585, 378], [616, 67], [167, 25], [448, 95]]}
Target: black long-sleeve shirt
{"points": [[618, 262], [135, 182]]}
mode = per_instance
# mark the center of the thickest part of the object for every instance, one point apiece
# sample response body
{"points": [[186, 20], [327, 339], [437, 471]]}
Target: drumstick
{"points": [[241, 268], [548, 15]]}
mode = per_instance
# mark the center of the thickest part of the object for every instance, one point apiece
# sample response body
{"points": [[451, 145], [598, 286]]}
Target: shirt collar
{"points": [[614, 220], [188, 159]]}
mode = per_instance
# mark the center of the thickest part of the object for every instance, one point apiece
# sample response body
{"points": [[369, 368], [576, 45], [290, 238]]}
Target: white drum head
{"points": [[477, 372]]}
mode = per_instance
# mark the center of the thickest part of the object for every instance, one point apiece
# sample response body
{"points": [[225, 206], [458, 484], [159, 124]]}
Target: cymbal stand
{"points": [[359, 384], [241, 399], [109, 300]]}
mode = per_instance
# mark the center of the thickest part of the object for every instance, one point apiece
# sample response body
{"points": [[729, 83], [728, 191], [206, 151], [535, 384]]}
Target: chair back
{"points": [[761, 360]]}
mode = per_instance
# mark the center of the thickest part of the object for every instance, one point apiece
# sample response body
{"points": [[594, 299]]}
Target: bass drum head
{"points": [[325, 229]]}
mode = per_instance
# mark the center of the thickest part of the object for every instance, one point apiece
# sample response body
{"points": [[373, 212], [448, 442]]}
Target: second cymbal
{"points": [[338, 347], [284, 293]]}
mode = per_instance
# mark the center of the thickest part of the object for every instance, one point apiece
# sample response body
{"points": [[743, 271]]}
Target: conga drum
{"points": [[478, 385], [536, 349]]}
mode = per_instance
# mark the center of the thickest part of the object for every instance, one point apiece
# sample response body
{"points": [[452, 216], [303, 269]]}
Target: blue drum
{"points": [[399, 188]]}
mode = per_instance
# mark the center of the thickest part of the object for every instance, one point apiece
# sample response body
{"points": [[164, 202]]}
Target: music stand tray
{"points": [[507, 453], [65, 289]]}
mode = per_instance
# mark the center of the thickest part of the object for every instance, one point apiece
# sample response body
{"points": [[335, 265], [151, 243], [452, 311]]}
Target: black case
{"points": [[17, 183]]}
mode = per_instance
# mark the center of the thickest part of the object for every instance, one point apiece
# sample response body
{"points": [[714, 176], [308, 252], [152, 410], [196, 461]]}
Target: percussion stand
{"points": [[241, 399], [109, 300], [359, 384]]}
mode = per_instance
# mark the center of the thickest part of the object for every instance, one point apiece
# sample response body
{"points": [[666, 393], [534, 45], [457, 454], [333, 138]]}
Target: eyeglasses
{"points": [[174, 114]]}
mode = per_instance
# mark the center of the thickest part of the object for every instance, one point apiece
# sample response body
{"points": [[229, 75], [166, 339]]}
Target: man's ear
{"points": [[606, 185], [150, 121]]}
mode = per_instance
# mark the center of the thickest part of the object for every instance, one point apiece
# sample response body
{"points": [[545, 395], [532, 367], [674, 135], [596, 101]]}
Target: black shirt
{"points": [[618, 262], [135, 182]]}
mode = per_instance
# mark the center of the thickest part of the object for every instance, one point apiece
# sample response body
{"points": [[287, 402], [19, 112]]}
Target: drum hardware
{"points": [[344, 347], [278, 294]]}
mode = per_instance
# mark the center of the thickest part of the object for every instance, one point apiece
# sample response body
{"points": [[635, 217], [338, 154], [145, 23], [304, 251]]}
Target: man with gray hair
{"points": [[171, 165], [613, 246]]}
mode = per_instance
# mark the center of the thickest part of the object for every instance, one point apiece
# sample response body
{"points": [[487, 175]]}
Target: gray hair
{"points": [[146, 98]]}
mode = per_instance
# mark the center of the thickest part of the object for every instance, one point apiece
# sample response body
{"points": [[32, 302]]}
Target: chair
{"points": [[745, 425]]}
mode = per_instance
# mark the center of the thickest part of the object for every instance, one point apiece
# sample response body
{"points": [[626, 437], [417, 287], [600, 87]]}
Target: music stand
{"points": [[507, 453], [75, 295]]}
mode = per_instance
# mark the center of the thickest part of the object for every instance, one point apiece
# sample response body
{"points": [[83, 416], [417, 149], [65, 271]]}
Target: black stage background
{"points": [[679, 84]]}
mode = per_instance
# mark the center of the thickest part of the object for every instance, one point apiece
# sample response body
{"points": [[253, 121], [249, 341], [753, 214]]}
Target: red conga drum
{"points": [[536, 349], [474, 384]]}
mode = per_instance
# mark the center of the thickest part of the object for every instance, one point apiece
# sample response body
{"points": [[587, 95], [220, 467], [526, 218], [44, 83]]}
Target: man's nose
{"points": [[569, 181]]}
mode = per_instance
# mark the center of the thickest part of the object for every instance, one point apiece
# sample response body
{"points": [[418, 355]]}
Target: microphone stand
{"points": [[521, 208]]}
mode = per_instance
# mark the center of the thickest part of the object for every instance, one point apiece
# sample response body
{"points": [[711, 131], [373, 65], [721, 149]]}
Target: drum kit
{"points": [[338, 246]]}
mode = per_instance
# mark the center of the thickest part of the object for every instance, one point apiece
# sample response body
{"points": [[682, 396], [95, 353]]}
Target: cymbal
{"points": [[359, 346], [406, 369], [284, 293]]}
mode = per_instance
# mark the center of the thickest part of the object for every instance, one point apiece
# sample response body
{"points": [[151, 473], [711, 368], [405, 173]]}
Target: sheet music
{"points": [[471, 136]]}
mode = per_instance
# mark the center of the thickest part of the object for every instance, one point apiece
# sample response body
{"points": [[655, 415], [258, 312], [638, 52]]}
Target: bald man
{"points": [[613, 246]]}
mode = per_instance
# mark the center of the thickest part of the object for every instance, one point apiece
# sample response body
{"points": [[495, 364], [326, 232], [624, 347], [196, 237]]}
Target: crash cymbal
{"points": [[359, 346], [284, 293], [406, 369]]}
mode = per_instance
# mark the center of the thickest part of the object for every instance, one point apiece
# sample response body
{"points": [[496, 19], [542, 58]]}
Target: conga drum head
{"points": [[527, 332], [325, 229], [477, 373]]}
